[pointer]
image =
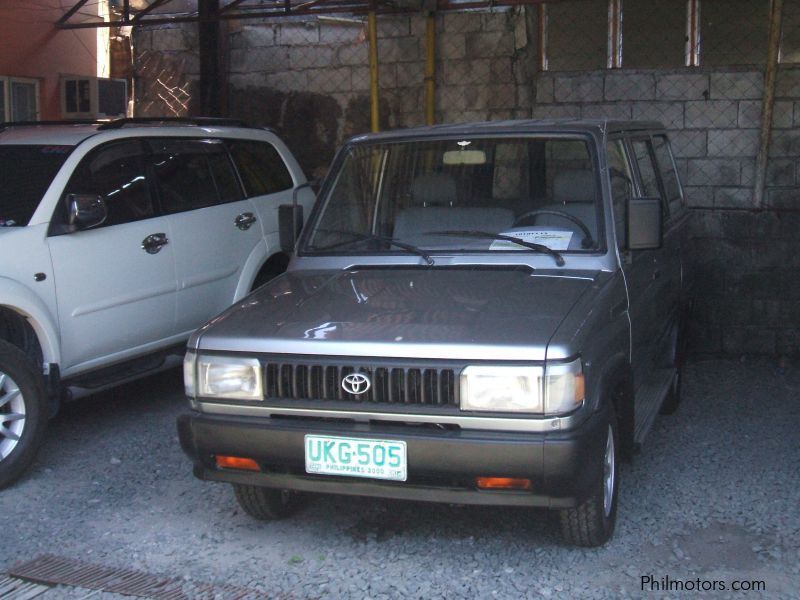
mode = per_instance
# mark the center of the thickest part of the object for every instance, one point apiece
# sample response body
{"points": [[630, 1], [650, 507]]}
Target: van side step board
{"points": [[649, 399]]}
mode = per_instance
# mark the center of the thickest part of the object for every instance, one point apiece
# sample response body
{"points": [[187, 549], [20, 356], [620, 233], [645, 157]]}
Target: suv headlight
{"points": [[557, 390], [228, 377]]}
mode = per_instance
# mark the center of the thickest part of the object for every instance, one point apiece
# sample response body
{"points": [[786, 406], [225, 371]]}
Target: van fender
{"points": [[616, 388], [23, 301], [266, 249], [252, 265]]}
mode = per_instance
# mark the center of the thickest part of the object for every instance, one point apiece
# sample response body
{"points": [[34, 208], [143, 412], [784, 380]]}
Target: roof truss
{"points": [[259, 9]]}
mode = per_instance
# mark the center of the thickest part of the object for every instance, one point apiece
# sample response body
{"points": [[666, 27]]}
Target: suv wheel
{"points": [[266, 504], [23, 417], [592, 523]]}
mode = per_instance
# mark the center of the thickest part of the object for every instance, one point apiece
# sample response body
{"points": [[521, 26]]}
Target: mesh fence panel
{"points": [[697, 66]]}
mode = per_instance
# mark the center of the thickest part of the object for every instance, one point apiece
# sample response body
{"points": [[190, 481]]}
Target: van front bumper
{"points": [[443, 464]]}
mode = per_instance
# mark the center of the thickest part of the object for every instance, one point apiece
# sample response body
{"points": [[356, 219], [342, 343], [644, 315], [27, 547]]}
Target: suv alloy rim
{"points": [[609, 473], [12, 415]]}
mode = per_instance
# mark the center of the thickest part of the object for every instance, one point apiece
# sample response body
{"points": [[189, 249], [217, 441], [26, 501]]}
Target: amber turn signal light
{"points": [[237, 462], [504, 483]]}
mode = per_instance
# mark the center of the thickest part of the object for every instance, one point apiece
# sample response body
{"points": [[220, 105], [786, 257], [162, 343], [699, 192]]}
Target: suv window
{"points": [[25, 174], [118, 174], [193, 174], [261, 167], [672, 186]]}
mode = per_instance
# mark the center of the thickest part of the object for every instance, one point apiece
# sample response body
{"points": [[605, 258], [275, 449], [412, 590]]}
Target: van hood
{"points": [[475, 313]]}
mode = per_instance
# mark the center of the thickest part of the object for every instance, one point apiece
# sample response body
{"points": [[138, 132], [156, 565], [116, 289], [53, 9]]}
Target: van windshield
{"points": [[438, 195], [25, 174]]}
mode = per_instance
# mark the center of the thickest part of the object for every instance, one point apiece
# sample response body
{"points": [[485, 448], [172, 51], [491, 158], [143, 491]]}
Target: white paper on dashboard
{"points": [[555, 240]]}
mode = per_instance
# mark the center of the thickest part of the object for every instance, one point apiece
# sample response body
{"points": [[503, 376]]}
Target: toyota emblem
{"points": [[355, 383]]}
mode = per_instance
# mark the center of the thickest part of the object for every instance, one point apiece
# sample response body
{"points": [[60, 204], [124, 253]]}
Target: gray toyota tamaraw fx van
{"points": [[481, 314]]}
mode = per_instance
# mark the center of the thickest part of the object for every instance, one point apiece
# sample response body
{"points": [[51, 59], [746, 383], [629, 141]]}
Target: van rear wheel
{"points": [[673, 399], [23, 414]]}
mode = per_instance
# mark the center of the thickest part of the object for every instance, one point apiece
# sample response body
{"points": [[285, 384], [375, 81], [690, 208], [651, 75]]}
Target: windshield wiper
{"points": [[360, 237], [507, 238]]}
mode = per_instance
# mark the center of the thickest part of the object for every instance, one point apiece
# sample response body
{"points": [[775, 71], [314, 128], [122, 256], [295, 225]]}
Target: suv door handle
{"points": [[244, 221], [656, 274], [152, 243]]}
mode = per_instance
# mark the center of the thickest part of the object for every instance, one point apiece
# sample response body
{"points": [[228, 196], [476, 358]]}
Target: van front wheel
{"points": [[266, 504], [591, 523]]}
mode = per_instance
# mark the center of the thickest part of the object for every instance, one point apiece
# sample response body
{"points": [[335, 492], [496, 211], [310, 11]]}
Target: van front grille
{"points": [[431, 386]]}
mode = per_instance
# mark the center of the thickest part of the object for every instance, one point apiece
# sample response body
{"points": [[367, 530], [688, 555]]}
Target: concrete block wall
{"points": [[745, 261], [311, 77], [166, 68], [713, 119]]}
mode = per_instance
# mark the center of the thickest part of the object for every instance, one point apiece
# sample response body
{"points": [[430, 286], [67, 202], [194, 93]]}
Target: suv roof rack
{"points": [[199, 121], [7, 124]]}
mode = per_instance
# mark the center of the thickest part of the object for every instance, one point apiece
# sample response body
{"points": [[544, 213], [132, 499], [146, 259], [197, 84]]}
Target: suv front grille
{"points": [[431, 386]]}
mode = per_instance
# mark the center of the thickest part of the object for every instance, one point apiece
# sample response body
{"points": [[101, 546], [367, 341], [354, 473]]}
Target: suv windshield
{"points": [[461, 195], [25, 174]]}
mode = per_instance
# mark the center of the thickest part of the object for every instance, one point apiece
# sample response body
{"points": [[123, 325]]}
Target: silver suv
{"points": [[117, 240], [481, 314]]}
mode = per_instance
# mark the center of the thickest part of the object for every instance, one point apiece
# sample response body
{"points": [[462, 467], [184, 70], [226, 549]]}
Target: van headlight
{"points": [[188, 374], [228, 377], [556, 390]]}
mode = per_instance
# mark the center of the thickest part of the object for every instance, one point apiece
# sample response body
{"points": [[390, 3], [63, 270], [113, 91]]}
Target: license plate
{"points": [[356, 457]]}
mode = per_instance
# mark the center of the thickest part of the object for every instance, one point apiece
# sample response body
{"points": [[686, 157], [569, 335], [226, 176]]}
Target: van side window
{"points": [[648, 172], [193, 174], [619, 172], [117, 173], [261, 167], [672, 186]]}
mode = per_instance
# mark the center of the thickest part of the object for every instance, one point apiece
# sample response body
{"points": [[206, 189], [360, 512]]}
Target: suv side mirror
{"points": [[86, 210], [644, 223]]}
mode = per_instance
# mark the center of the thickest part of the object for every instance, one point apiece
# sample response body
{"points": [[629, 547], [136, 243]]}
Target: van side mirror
{"points": [[644, 223], [290, 217], [290, 223], [86, 210]]}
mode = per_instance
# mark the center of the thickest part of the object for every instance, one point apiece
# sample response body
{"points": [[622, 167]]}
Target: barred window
{"points": [[733, 32], [654, 33], [790, 41], [577, 35]]}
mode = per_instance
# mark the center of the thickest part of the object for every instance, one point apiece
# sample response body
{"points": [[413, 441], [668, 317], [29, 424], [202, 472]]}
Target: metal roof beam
{"points": [[281, 8], [71, 11]]}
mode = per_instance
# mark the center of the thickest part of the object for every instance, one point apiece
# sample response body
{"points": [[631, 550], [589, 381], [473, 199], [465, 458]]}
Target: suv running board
{"points": [[107, 377], [649, 399]]}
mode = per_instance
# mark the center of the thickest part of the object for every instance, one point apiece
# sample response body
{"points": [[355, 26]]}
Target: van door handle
{"points": [[656, 274], [153, 243], [244, 220]]}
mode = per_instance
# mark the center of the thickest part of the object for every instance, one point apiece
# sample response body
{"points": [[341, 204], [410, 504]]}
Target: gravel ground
{"points": [[714, 495]]}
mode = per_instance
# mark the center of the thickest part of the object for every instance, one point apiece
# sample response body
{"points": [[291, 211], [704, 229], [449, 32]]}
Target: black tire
{"points": [[266, 504], [589, 524], [30, 400]]}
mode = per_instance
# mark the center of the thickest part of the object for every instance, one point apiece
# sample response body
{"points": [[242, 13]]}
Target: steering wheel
{"points": [[588, 242]]}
